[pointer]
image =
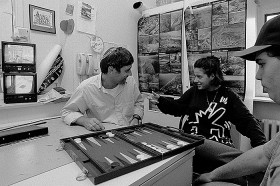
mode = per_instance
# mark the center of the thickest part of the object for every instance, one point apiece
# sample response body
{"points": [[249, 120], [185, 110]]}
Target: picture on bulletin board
{"points": [[69, 9], [42, 19], [86, 11], [159, 53]]}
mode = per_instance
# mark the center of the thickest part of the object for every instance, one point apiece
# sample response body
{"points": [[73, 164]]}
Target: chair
{"points": [[244, 180]]}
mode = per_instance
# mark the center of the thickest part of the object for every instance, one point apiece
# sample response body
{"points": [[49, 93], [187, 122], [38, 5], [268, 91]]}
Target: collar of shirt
{"points": [[99, 83], [113, 92]]}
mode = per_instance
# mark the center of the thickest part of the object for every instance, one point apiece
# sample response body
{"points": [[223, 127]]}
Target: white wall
{"points": [[5, 19], [44, 41], [116, 23], [251, 34]]}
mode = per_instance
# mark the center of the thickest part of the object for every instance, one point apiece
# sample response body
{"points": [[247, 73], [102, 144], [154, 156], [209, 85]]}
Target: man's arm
{"points": [[74, 108], [138, 106], [73, 112], [90, 123], [250, 162], [138, 111]]}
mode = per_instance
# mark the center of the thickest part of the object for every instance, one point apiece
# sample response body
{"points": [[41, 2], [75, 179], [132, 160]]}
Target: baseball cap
{"points": [[268, 36]]}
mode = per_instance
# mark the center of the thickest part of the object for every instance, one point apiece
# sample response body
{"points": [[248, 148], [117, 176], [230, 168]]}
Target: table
{"points": [[37, 162]]}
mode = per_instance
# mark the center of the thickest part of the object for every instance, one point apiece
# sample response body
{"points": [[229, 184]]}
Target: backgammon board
{"points": [[105, 155]]}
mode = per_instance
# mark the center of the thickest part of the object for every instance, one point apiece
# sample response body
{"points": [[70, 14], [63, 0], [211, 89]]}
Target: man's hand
{"points": [[134, 121], [90, 123]]}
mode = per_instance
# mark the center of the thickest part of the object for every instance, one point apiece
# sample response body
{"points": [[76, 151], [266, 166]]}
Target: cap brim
{"points": [[250, 53]]}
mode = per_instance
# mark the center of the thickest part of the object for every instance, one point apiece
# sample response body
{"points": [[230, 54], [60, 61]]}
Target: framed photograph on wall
{"points": [[42, 19]]}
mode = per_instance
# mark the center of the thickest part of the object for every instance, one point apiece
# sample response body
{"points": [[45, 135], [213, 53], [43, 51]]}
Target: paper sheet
{"points": [[86, 18]]}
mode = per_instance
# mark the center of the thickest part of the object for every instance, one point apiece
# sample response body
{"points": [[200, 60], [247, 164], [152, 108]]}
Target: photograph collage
{"points": [[217, 28]]}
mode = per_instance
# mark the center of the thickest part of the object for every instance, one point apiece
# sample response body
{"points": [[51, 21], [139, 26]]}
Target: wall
{"points": [[44, 41], [116, 23], [5, 19], [251, 34], [266, 110]]}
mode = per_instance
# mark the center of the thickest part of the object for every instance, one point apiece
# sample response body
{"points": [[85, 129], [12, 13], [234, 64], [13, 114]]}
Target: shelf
{"points": [[263, 99], [18, 105], [31, 104]]}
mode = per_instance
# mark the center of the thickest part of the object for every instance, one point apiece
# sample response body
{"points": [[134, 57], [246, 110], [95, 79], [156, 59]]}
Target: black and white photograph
{"points": [[133, 93]]}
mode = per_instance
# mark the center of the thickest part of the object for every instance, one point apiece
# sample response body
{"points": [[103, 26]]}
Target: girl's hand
{"points": [[154, 97]]}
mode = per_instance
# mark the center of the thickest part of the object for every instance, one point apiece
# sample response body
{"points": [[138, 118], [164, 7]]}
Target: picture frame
{"points": [[42, 19], [21, 34]]}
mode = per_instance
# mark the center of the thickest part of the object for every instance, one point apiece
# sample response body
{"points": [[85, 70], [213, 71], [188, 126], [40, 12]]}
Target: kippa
{"points": [[109, 52], [268, 36]]}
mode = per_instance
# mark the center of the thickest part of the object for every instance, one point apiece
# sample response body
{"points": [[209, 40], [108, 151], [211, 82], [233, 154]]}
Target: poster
{"points": [[86, 18], [159, 53], [218, 29]]}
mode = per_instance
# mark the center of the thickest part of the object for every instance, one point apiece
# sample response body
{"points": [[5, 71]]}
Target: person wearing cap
{"points": [[266, 53], [110, 97]]}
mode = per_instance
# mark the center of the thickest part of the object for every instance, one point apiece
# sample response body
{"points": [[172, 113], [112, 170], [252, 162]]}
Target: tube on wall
{"points": [[46, 64]]}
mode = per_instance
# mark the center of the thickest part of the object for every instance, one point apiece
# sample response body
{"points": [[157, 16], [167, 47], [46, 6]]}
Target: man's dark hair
{"points": [[211, 65], [116, 57]]}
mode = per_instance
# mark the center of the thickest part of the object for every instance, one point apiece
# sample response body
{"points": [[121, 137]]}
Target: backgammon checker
{"points": [[105, 155]]}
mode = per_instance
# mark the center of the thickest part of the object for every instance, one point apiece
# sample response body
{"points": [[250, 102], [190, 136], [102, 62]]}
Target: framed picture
{"points": [[41, 19]]}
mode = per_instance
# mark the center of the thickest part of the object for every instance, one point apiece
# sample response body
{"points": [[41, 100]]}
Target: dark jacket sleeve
{"points": [[245, 122], [176, 107]]}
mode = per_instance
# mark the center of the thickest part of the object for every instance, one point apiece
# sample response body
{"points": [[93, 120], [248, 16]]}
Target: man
{"points": [[266, 53], [110, 97]]}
